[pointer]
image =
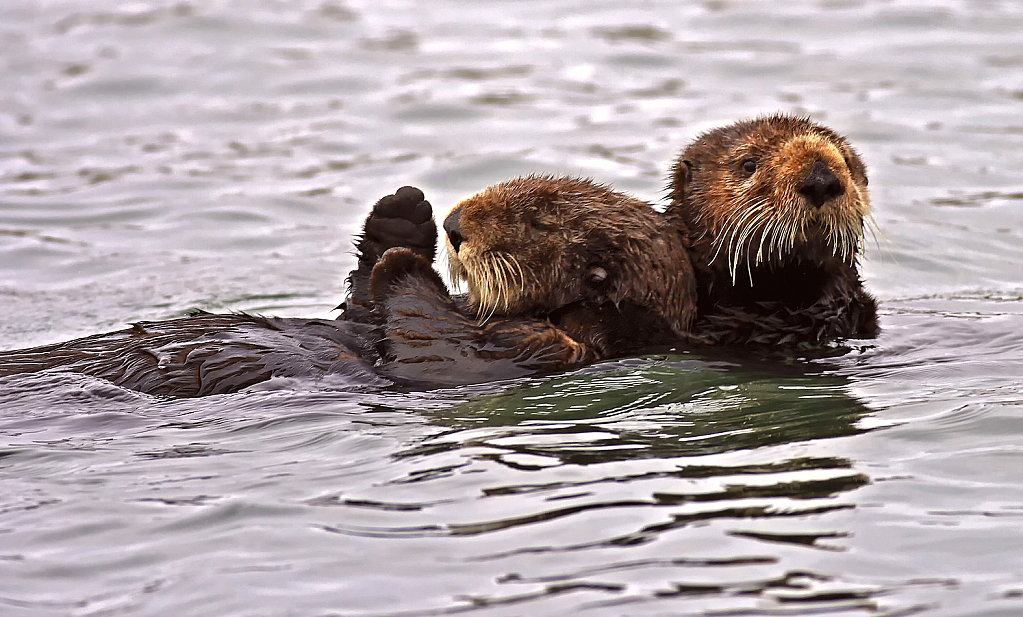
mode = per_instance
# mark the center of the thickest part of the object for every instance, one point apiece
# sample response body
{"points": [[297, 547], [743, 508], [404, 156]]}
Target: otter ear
{"points": [[596, 276], [681, 175]]}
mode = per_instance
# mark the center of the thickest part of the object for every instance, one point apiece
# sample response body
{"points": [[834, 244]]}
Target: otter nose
{"points": [[820, 185], [453, 227]]}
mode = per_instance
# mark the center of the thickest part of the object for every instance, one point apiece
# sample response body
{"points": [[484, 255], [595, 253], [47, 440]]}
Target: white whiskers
{"points": [[758, 232], [495, 284]]}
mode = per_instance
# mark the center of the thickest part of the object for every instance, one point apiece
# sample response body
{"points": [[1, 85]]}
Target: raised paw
{"points": [[401, 270], [404, 219]]}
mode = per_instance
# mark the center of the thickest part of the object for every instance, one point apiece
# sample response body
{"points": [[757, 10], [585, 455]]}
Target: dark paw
{"points": [[408, 203], [402, 270], [404, 219]]}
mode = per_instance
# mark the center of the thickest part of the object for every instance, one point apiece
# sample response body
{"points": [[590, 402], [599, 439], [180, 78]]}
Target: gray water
{"points": [[157, 157]]}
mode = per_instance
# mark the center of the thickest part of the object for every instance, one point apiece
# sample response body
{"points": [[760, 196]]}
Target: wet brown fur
{"points": [[536, 244], [772, 266], [206, 354]]}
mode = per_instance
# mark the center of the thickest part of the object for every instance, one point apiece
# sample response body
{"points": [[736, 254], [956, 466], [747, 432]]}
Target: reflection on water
{"points": [[665, 483], [577, 449], [638, 481], [662, 409]]}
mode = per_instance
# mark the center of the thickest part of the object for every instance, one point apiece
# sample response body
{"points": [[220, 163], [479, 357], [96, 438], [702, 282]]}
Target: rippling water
{"points": [[161, 156]]}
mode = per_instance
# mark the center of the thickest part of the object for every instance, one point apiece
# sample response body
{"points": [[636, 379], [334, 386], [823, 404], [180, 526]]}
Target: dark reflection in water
{"points": [[573, 447], [666, 409], [692, 486]]}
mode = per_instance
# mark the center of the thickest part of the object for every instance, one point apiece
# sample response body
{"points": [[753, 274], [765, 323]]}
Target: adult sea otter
{"points": [[773, 211]]}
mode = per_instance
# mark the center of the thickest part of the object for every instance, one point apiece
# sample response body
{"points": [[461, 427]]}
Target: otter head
{"points": [[762, 195], [534, 245]]}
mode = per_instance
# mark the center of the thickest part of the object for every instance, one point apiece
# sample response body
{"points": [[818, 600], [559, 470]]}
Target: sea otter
{"points": [[400, 325], [561, 272], [773, 211]]}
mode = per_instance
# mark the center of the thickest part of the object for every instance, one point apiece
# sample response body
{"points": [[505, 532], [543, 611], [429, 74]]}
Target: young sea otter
{"points": [[773, 211]]}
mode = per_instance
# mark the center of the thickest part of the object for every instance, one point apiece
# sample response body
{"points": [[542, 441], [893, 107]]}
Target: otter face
{"points": [[772, 192], [533, 245]]}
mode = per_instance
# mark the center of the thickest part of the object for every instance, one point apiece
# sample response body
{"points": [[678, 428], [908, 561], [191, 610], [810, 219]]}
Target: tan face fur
{"points": [[535, 244], [771, 191]]}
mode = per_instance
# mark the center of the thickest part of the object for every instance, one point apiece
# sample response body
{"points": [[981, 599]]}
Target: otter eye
{"points": [[749, 166]]}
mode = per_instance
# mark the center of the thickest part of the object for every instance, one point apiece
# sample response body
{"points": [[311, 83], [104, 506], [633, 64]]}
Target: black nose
{"points": [[453, 227], [821, 185]]}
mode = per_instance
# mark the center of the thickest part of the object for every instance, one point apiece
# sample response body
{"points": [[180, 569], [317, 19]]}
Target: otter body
{"points": [[205, 354]]}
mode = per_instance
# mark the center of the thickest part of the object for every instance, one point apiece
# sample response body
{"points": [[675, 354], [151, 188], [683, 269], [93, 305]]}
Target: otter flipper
{"points": [[404, 219]]}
